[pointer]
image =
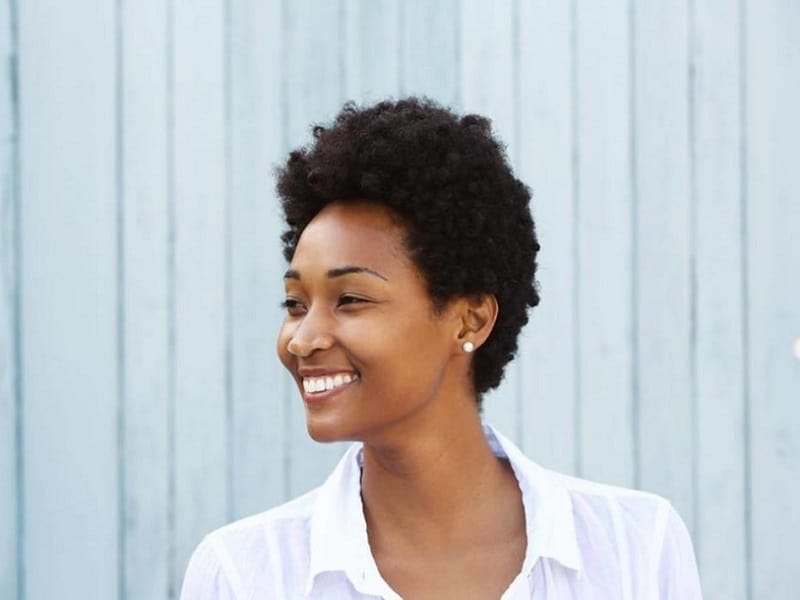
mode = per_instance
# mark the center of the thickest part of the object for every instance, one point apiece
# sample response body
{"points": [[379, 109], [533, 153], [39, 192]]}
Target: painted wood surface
{"points": [[430, 47], [718, 386], [662, 251], [772, 200], [9, 313], [548, 386], [199, 258], [141, 402], [604, 230], [145, 171], [259, 438], [372, 53], [69, 282]]}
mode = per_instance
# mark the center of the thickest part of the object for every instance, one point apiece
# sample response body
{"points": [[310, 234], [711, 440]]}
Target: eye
{"points": [[348, 299], [293, 307]]}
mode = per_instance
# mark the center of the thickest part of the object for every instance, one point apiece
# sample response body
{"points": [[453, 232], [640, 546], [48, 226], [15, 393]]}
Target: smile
{"points": [[314, 385]]}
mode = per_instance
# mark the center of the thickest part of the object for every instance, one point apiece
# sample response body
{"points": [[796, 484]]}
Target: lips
{"points": [[315, 384]]}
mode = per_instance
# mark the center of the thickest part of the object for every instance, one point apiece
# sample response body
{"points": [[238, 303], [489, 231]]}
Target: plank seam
{"points": [[745, 298], [635, 384], [229, 407], [577, 410], [693, 289], [400, 31], [458, 93], [17, 311], [170, 142], [341, 51], [121, 279]]}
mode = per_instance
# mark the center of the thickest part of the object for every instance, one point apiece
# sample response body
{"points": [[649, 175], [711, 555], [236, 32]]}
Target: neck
{"points": [[437, 487]]}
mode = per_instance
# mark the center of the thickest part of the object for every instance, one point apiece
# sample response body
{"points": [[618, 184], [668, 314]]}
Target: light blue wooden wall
{"points": [[141, 403]]}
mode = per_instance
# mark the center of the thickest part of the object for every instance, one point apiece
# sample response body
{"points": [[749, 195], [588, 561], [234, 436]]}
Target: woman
{"points": [[411, 256]]}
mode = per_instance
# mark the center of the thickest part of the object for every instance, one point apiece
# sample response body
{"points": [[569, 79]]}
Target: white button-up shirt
{"points": [[585, 540]]}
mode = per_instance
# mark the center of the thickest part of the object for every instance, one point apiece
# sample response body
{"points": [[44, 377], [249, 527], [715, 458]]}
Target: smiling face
{"points": [[368, 351]]}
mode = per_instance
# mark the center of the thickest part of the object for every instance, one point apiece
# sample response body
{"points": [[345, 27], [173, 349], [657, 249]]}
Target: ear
{"points": [[477, 316]]}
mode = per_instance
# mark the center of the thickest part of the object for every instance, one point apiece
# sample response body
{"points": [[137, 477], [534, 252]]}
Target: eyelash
{"points": [[289, 303], [350, 299], [346, 299]]}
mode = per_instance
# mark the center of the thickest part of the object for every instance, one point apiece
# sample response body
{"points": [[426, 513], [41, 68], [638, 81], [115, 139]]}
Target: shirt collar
{"points": [[338, 531], [549, 516]]}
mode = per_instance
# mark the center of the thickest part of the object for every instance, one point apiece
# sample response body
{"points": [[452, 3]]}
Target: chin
{"points": [[322, 435], [325, 432]]}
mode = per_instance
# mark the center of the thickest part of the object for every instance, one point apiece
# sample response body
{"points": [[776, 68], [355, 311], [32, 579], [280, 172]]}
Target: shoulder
{"points": [[634, 538], [290, 516], [643, 530], [246, 550], [640, 514], [268, 555]]}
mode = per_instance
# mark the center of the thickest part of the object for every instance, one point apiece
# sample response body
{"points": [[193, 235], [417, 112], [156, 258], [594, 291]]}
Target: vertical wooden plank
{"points": [[487, 80], [663, 254], [372, 67], [545, 153], [773, 290], [9, 393], [314, 69], [69, 294], [429, 40], [719, 355], [257, 266], [486, 65], [145, 299], [314, 66], [199, 284], [604, 241]]}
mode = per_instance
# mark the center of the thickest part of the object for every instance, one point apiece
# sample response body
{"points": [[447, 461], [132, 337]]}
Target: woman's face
{"points": [[360, 336]]}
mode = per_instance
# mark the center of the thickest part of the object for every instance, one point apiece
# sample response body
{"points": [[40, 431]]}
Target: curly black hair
{"points": [[469, 226]]}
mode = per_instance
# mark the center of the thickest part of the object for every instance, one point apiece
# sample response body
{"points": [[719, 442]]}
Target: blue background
{"points": [[141, 403]]}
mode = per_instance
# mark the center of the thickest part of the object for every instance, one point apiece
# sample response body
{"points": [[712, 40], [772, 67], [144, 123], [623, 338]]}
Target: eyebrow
{"points": [[339, 272]]}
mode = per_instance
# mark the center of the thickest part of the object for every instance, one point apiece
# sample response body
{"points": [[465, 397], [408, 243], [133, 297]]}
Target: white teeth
{"points": [[323, 384]]}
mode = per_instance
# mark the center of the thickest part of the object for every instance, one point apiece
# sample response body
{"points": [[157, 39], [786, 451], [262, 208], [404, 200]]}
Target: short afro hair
{"points": [[469, 226]]}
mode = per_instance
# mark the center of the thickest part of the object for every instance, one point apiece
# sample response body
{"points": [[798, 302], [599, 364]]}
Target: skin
{"points": [[444, 515]]}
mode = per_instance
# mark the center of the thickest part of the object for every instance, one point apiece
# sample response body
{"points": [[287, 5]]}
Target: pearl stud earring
{"points": [[468, 347]]}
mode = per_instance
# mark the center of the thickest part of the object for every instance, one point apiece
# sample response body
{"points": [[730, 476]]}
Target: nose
{"points": [[310, 335]]}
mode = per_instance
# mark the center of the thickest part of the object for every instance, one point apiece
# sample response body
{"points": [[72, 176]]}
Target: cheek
{"points": [[402, 351]]}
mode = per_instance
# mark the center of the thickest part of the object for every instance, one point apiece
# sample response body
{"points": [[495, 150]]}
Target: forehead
{"points": [[359, 233]]}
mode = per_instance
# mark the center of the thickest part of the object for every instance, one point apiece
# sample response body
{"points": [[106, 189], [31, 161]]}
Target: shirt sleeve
{"points": [[204, 578], [677, 577]]}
